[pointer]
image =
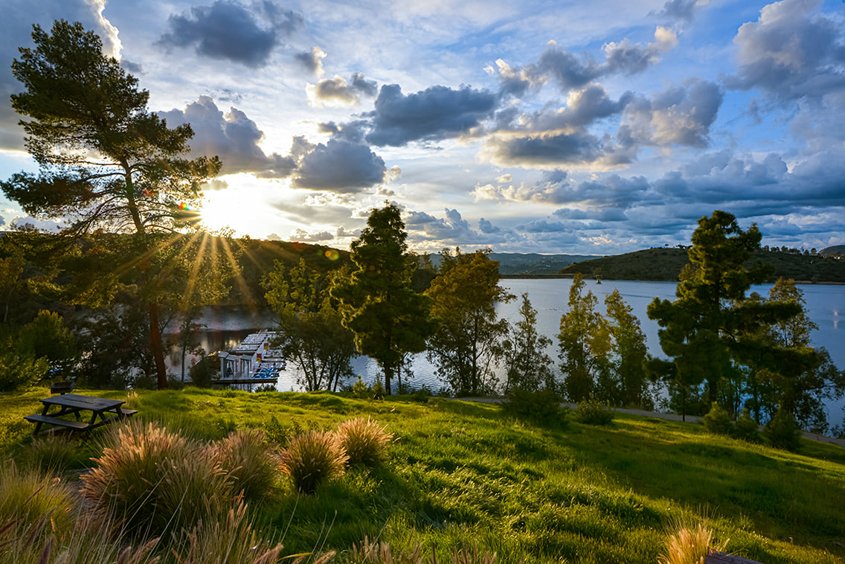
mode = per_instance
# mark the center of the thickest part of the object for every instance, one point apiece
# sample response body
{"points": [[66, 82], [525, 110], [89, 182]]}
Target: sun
{"points": [[243, 208]]}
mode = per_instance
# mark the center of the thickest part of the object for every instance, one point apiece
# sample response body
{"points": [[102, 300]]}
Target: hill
{"points": [[666, 264], [462, 474], [835, 251]]}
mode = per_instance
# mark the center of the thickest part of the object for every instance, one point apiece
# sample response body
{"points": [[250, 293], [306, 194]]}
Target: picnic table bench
{"points": [[103, 411]]}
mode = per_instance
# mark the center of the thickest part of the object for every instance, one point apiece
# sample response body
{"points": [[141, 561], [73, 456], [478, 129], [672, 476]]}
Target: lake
{"points": [[825, 306]]}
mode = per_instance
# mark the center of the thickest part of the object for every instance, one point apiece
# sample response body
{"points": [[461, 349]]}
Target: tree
{"points": [[377, 303], [802, 377], [628, 353], [699, 328], [106, 162], [528, 366], [468, 338], [584, 342], [312, 336]]}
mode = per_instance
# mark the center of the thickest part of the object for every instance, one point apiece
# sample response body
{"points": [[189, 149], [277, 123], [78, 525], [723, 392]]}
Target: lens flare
{"points": [[332, 254]]}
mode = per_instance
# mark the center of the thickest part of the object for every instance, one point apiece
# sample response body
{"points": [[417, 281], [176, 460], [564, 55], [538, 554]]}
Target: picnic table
{"points": [[103, 411]]}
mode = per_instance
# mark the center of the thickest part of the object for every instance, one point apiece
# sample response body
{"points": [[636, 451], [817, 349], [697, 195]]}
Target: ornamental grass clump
{"points": [[689, 545], [365, 441], [53, 454], [593, 412], [150, 480], [246, 458], [313, 458]]}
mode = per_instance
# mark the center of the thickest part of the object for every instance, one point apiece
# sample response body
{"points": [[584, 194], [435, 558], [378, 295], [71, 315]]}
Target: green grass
{"points": [[464, 475]]}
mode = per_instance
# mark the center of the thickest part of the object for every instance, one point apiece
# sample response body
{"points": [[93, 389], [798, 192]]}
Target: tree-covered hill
{"points": [[666, 264]]}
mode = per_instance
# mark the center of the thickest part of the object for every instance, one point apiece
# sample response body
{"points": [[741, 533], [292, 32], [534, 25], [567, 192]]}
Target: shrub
{"points": [[18, 371], [718, 420], [689, 545], [359, 389], [365, 441], [746, 428], [246, 458], [593, 412], [542, 406], [783, 432], [377, 390], [312, 458], [151, 479]]}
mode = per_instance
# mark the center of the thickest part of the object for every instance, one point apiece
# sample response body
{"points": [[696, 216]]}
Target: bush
{"points": [[746, 428], [151, 480], [718, 421], [18, 371], [312, 458], [364, 441], [377, 390], [542, 406], [783, 432], [359, 389], [593, 412], [202, 372], [246, 459]]}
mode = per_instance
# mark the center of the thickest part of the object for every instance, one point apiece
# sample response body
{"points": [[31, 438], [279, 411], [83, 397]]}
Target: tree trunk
{"points": [[156, 347], [388, 376]]}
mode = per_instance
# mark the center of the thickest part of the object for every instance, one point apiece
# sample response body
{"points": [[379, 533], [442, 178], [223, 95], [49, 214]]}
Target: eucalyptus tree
{"points": [[468, 340], [528, 365], [629, 385], [377, 303]]}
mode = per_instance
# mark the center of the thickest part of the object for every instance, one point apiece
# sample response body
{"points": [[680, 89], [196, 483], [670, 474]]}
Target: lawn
{"points": [[463, 474]]}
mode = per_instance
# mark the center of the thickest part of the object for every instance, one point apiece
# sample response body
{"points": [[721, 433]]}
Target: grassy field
{"points": [[467, 475]]}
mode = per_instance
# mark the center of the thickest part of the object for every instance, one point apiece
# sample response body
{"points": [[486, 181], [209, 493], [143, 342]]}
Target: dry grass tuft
{"points": [[689, 545], [365, 441], [313, 458], [246, 458]]}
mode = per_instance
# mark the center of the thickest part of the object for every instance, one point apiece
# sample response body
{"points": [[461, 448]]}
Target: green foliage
{"points": [[19, 372], [247, 460], [364, 441], [388, 318], [783, 432], [48, 337], [468, 339], [584, 341], [626, 382], [312, 336], [313, 458], [30, 499], [593, 412], [527, 365], [51, 454], [718, 420], [203, 372], [746, 428], [539, 406]]}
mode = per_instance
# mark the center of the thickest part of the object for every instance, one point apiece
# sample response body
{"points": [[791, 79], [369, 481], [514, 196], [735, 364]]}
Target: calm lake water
{"points": [[825, 305]]}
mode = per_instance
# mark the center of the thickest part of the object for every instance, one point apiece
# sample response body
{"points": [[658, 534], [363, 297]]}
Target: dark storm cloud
{"points": [[233, 31], [432, 114], [338, 90], [790, 52], [546, 149], [338, 165], [583, 107], [233, 137], [678, 116]]}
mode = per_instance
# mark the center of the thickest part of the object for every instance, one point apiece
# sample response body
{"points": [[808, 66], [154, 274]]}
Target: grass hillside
{"points": [[466, 475], [666, 264]]}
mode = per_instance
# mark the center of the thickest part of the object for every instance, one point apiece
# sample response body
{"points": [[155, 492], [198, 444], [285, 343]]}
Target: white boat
{"points": [[253, 361]]}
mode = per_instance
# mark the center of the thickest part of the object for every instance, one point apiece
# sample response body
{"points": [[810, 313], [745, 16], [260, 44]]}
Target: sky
{"points": [[535, 126]]}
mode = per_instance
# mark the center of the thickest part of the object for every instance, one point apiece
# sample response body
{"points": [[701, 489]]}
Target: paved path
{"points": [[668, 417]]}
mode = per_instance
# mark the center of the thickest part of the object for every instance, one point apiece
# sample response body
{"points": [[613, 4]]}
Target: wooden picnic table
{"points": [[103, 411]]}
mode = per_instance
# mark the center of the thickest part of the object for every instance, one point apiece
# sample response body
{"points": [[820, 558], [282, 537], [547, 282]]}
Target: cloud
{"points": [[557, 187], [546, 150], [312, 60], [486, 226], [229, 30], [339, 92], [18, 19], [572, 72], [790, 52], [451, 227], [305, 237], [678, 116], [337, 165], [583, 107], [232, 136], [432, 114], [680, 10]]}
